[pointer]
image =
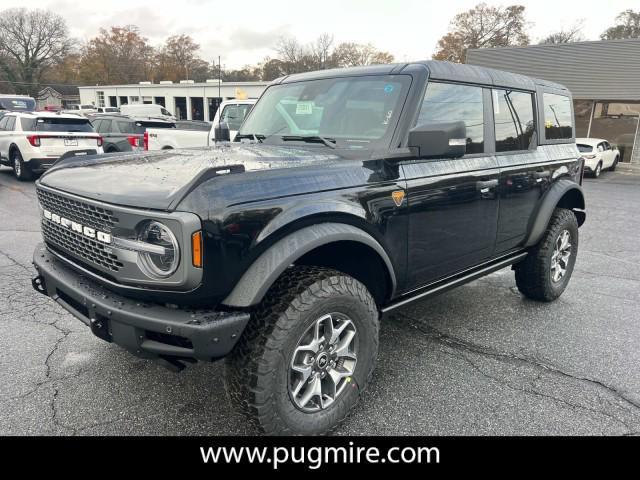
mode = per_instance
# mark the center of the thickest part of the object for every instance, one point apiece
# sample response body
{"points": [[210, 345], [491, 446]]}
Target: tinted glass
{"points": [[11, 123], [558, 121], [514, 121], [63, 125], [3, 123], [105, 126], [18, 104], [234, 115], [28, 124], [451, 103], [358, 112], [584, 148], [126, 127]]}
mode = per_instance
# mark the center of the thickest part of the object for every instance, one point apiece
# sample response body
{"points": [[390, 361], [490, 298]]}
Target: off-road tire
{"points": [[20, 169], [257, 371], [533, 274]]}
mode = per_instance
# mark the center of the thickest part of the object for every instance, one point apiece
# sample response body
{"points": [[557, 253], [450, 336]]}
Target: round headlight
{"points": [[164, 261]]}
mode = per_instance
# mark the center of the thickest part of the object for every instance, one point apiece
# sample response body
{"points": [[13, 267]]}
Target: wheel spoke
{"points": [[328, 331], [304, 370], [342, 350], [313, 390]]}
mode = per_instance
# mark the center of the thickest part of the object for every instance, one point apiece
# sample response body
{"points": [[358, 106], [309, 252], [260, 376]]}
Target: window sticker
{"points": [[304, 108], [388, 88]]}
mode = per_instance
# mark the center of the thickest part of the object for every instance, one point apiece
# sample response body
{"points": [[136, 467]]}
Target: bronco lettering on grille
{"points": [[77, 227]]}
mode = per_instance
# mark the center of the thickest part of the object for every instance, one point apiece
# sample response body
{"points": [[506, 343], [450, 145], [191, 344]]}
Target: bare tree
{"points": [[566, 35], [31, 41], [627, 26], [321, 50], [350, 54], [483, 26]]}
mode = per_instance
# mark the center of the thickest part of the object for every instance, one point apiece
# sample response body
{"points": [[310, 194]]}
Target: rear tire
{"points": [[545, 272], [614, 165], [20, 169], [290, 330]]}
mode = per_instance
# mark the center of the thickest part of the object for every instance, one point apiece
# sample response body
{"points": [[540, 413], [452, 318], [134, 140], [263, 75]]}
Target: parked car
{"points": [[347, 194], [122, 133], [17, 103], [31, 142], [146, 110], [598, 155], [233, 112], [80, 109], [108, 110]]}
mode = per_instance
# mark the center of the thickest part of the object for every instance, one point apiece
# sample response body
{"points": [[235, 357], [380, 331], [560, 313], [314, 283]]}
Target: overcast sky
{"points": [[245, 31]]}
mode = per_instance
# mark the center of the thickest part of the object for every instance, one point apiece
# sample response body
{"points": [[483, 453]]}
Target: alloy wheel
{"points": [[323, 362], [560, 257]]}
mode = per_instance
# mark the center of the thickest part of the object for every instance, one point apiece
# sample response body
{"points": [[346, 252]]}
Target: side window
{"points": [[125, 127], [447, 102], [165, 112], [607, 146], [105, 126], [28, 124], [3, 123], [96, 125], [514, 120], [601, 147], [558, 121], [11, 123]]}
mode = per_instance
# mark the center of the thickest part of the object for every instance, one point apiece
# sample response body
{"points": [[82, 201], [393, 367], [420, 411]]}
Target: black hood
{"points": [[159, 180]]}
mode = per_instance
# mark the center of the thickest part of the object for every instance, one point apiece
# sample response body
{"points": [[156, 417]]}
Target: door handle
{"points": [[485, 185]]}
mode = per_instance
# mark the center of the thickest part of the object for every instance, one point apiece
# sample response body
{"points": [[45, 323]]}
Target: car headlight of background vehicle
{"points": [[162, 257]]}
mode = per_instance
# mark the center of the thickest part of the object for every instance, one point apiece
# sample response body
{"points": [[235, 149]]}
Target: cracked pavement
{"points": [[478, 360]]}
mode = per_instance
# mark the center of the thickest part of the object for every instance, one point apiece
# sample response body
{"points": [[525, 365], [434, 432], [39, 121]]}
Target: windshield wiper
{"points": [[258, 137], [329, 142]]}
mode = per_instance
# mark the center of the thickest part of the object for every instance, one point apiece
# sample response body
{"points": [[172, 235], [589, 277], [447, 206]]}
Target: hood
{"points": [[159, 180]]}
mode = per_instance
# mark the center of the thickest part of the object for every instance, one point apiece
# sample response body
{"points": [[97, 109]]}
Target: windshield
{"points": [[24, 104], [585, 148], [355, 112]]}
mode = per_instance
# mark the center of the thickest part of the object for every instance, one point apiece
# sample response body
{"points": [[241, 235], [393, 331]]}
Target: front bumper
{"points": [[147, 330]]}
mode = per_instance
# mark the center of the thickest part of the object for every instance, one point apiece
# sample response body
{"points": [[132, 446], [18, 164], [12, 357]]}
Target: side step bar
{"points": [[465, 276]]}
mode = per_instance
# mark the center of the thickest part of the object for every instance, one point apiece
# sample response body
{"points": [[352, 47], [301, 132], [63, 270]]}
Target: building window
{"points": [[181, 108], [514, 121], [100, 97], [445, 102], [213, 104], [197, 108], [159, 101], [124, 100], [558, 122], [134, 99], [113, 101]]}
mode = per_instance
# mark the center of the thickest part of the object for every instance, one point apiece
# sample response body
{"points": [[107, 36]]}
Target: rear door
{"points": [[524, 170], [453, 202]]}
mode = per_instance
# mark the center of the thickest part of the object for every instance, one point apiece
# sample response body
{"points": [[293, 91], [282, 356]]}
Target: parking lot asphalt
{"points": [[478, 360]]}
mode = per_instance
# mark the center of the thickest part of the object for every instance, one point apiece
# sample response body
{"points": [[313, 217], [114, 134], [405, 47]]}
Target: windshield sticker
{"points": [[387, 117], [304, 108], [388, 88]]}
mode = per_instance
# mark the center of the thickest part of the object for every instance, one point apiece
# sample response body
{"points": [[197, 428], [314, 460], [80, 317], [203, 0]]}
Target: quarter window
{"points": [[11, 123], [446, 102], [514, 120], [558, 121]]}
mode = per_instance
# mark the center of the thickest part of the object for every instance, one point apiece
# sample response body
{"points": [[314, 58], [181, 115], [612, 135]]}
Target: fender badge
{"points": [[398, 197]]}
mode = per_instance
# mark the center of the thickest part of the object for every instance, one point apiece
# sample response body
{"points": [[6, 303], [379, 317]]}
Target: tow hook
{"points": [[38, 284]]}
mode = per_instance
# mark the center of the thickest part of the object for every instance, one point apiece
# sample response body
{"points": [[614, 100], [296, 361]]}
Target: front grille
{"points": [[95, 217], [80, 246]]}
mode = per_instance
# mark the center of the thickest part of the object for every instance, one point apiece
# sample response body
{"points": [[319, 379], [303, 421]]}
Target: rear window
{"points": [[25, 104], [144, 125], [558, 120], [584, 148], [63, 125]]}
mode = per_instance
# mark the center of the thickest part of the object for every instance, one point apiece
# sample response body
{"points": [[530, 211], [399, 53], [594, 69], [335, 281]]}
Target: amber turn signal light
{"points": [[196, 249]]}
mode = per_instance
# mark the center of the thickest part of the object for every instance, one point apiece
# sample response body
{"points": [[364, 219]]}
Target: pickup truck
{"points": [[231, 112], [346, 194]]}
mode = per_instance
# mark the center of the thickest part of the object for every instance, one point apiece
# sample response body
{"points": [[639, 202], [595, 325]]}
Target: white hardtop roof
{"points": [[590, 141]]}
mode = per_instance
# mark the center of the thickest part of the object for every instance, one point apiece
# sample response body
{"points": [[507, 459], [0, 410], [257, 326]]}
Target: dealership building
{"points": [[186, 99], [603, 76]]}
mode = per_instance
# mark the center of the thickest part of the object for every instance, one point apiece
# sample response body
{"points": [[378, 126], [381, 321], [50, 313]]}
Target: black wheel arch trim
{"points": [[548, 204], [266, 269]]}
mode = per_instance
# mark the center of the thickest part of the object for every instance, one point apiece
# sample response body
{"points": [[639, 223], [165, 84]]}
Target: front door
{"points": [[452, 202]]}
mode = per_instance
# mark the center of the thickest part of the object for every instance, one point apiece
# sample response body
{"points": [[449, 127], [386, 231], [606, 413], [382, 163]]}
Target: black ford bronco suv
{"points": [[346, 194]]}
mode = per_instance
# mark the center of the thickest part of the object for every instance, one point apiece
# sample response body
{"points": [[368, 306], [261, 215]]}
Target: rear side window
{"points": [[446, 102], [584, 148], [104, 127], [28, 124], [145, 125], [514, 120], [126, 127], [11, 123], [63, 125], [558, 121]]}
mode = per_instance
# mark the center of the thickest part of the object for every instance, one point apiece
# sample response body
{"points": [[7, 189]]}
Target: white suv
{"points": [[31, 142]]}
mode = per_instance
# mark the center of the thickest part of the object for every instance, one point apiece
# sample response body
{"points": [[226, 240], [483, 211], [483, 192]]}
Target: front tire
{"points": [[545, 272], [598, 170], [20, 169], [307, 354]]}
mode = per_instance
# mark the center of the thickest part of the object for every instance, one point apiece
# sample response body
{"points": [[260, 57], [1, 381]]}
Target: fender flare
{"points": [[548, 204], [264, 271]]}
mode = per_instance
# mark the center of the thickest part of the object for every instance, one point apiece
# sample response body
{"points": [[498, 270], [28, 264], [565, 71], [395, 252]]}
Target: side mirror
{"points": [[221, 132], [439, 140]]}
